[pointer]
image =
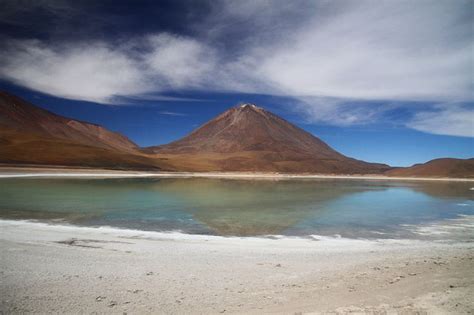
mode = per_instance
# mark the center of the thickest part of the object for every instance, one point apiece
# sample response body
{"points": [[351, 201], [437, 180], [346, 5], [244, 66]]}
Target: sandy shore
{"points": [[15, 172], [64, 269]]}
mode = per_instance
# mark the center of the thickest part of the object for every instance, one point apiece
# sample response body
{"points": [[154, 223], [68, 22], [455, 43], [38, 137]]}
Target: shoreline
{"points": [[459, 229], [63, 269], [270, 239], [30, 172], [329, 242]]}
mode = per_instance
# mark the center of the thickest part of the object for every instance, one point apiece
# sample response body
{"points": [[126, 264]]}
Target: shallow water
{"points": [[230, 207]]}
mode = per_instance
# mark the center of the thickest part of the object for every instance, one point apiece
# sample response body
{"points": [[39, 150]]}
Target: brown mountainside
{"points": [[445, 167], [249, 138], [15, 113], [31, 135]]}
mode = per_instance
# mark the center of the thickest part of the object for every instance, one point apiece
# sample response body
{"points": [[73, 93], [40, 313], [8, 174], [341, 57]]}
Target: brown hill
{"points": [[446, 167], [31, 135], [15, 113], [249, 138]]}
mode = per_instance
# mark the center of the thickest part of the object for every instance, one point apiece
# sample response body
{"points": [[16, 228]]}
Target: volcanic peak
{"points": [[249, 105]]}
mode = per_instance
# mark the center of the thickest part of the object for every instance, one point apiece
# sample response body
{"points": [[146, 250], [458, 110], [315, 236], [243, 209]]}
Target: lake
{"points": [[231, 207]]}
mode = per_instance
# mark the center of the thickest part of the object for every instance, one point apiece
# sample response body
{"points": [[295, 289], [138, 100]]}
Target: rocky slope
{"points": [[17, 114], [31, 135], [249, 138]]}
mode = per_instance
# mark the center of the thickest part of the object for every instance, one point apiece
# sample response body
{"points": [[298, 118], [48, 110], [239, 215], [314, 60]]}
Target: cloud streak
{"points": [[445, 119], [168, 113]]}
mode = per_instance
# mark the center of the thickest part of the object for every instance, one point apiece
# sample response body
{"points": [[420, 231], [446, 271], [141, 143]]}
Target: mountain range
{"points": [[243, 138]]}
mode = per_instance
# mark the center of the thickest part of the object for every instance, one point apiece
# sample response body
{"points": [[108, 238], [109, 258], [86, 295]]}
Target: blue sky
{"points": [[383, 81]]}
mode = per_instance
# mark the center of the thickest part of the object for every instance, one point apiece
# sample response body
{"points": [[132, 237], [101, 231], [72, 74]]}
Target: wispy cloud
{"points": [[325, 55], [445, 119], [339, 111], [172, 113], [150, 97]]}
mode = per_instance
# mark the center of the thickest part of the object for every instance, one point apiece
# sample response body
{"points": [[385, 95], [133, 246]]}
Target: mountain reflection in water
{"points": [[229, 207]]}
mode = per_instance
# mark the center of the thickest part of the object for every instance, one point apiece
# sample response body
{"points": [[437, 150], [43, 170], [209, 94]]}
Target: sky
{"points": [[383, 81]]}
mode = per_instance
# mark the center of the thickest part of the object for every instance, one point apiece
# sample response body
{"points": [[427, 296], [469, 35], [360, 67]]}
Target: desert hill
{"points": [[17, 114], [31, 135], [446, 167]]}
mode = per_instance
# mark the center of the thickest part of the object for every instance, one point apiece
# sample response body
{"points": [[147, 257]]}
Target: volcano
{"points": [[249, 138]]}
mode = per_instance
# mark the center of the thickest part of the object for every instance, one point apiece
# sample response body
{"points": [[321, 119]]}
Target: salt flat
{"points": [[66, 269]]}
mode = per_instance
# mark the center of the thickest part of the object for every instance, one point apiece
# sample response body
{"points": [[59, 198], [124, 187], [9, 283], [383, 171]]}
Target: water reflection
{"points": [[238, 207]]}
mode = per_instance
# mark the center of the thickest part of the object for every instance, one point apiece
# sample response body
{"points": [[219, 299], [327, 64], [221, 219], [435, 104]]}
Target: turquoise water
{"points": [[229, 207]]}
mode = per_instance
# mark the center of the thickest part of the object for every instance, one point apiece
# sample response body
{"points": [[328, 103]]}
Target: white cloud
{"points": [[93, 71], [404, 50], [179, 61], [378, 50], [447, 119], [325, 54], [100, 72]]}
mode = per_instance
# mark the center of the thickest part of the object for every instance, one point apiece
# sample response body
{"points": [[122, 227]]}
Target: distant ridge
{"points": [[446, 167]]}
